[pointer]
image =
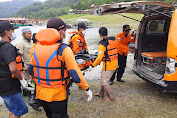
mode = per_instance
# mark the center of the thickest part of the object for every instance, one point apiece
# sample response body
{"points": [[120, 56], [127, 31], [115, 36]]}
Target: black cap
{"points": [[103, 31], [82, 25], [126, 27], [5, 25], [56, 23]]}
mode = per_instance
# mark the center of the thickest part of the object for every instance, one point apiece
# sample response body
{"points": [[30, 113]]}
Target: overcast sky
{"points": [[11, 0]]}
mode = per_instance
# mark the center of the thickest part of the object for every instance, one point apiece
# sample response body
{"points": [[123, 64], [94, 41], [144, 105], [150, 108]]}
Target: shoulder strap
{"points": [[104, 42], [70, 45], [79, 35], [73, 35], [3, 42], [63, 65], [60, 48]]}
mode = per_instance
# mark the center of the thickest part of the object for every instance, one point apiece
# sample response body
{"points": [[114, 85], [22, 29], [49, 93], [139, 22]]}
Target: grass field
{"points": [[134, 99], [113, 21]]}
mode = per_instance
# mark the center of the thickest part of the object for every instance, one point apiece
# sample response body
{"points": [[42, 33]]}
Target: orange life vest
{"points": [[81, 44], [49, 68], [19, 63], [111, 50]]}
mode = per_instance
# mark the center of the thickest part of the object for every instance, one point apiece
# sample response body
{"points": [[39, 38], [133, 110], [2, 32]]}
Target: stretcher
{"points": [[85, 60], [153, 54], [154, 61]]}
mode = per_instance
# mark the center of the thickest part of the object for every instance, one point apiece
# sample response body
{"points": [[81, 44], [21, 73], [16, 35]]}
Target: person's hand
{"points": [[24, 83], [90, 68], [131, 50], [89, 93], [25, 68]]}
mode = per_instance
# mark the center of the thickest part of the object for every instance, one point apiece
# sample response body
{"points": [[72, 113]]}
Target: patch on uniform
{"points": [[78, 40], [100, 52], [77, 43], [118, 38]]}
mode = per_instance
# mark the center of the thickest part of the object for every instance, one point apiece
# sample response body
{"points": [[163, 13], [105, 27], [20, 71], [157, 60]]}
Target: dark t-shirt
{"points": [[8, 85]]}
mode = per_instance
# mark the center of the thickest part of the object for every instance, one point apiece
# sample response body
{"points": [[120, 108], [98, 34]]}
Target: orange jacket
{"points": [[52, 64], [122, 43], [77, 42], [111, 62]]}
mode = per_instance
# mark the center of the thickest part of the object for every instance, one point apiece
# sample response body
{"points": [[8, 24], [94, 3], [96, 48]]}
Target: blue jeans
{"points": [[15, 104]]}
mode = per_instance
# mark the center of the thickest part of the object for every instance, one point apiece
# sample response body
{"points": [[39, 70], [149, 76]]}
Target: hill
{"points": [[48, 9], [9, 8]]}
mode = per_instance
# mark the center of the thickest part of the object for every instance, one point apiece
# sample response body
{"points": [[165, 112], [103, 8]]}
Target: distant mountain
{"points": [[9, 8], [48, 9]]}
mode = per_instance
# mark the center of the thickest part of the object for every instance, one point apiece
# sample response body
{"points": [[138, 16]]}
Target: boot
{"points": [[32, 102], [110, 82], [35, 107], [120, 80]]}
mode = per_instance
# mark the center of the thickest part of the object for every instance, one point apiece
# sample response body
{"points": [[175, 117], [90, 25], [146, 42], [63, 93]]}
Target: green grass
{"points": [[134, 99], [114, 21]]}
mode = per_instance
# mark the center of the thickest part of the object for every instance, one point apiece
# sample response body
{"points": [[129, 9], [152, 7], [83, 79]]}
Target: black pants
{"points": [[122, 60], [56, 109]]}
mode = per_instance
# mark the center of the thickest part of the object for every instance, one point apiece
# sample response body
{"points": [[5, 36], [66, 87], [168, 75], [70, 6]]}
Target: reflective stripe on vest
{"points": [[37, 62]]}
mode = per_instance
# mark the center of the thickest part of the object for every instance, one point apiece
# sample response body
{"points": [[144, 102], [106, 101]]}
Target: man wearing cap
{"points": [[77, 41], [10, 76], [107, 52], [24, 46], [123, 39], [52, 63]]}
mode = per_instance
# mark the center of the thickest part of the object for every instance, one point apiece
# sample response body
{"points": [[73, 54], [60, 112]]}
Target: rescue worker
{"points": [[24, 46], [10, 76], [107, 52], [53, 62], [77, 41], [123, 39]]}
